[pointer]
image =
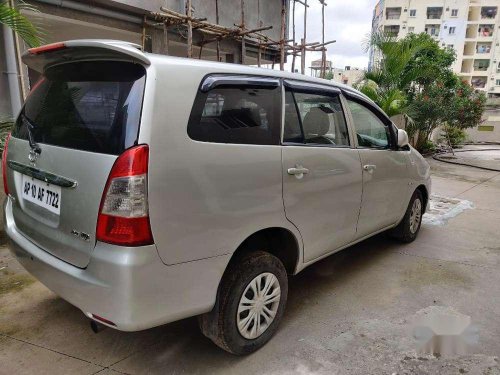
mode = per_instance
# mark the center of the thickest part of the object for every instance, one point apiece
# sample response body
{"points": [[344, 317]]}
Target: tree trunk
{"points": [[422, 137]]}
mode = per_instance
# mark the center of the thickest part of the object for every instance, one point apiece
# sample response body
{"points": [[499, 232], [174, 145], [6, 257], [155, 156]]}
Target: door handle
{"points": [[369, 167], [298, 171]]}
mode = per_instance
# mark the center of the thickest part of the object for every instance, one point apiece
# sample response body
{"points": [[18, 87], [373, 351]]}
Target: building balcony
{"points": [[485, 31], [434, 13], [392, 30], [432, 30], [478, 82], [393, 13], [489, 12], [483, 48]]}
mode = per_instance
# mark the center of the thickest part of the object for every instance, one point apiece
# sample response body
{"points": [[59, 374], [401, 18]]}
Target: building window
{"points": [[411, 29], [452, 30], [413, 12], [498, 82], [454, 12]]}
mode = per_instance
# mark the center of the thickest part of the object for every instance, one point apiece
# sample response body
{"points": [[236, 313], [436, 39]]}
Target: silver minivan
{"points": [[144, 189]]}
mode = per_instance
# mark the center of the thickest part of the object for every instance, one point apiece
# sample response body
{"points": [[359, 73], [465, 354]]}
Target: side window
{"points": [[320, 119], [237, 114], [370, 130]]}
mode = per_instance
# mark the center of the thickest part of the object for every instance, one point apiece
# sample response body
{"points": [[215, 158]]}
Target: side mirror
{"points": [[402, 138]]}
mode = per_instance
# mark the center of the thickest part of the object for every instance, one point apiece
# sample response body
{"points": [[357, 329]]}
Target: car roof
{"points": [[223, 67], [112, 48]]}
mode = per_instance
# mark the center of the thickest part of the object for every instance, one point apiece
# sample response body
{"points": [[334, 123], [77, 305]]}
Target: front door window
{"points": [[371, 132]]}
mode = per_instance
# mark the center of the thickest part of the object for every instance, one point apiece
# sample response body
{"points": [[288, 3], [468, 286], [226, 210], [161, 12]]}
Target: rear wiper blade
{"points": [[31, 139]]}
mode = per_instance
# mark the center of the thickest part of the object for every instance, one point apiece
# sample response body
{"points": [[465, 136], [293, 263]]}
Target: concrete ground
{"points": [[348, 314], [484, 156]]}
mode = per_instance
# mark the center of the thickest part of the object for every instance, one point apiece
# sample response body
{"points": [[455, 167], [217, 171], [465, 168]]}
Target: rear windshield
{"points": [[90, 106]]}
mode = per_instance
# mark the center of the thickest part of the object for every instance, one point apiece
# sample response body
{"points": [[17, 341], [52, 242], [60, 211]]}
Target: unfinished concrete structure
{"points": [[134, 21]]}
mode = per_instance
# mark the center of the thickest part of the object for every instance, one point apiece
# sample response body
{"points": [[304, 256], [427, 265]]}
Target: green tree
{"points": [[11, 16], [414, 79], [329, 75]]}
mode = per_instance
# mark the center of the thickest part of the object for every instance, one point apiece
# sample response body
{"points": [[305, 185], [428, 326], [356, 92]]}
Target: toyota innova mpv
{"points": [[144, 188]]}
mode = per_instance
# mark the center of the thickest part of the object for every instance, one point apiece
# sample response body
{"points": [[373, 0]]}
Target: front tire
{"points": [[250, 304], [407, 230]]}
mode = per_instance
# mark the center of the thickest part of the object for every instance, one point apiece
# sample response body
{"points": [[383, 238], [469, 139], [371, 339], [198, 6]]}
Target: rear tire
{"points": [[249, 306], [407, 230]]}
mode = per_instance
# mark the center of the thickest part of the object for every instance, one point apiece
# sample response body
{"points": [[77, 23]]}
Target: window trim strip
{"points": [[212, 81], [311, 87]]}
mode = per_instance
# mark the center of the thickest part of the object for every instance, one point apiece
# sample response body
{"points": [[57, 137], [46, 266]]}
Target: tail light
{"points": [[123, 214], [47, 48], [4, 164]]}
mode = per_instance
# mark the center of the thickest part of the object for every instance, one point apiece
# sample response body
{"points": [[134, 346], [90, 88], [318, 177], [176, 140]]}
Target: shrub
{"points": [[453, 135], [428, 147], [5, 128]]}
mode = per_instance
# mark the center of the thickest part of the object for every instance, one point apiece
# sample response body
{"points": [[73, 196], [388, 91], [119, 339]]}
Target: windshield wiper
{"points": [[31, 139]]}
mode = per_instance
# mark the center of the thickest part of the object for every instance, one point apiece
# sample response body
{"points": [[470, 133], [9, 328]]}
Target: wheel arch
{"points": [[425, 195], [278, 241]]}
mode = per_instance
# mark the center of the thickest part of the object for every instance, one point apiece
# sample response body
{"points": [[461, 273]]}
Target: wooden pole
{"points": [[143, 38], [303, 56], [293, 36], [282, 35], [217, 22], [190, 30], [243, 46], [323, 54], [165, 38]]}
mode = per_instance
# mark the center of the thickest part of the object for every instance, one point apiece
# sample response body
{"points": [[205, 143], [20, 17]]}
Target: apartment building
{"points": [[470, 27]]}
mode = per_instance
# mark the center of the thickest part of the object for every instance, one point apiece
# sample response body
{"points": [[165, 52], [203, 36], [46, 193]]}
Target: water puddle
{"points": [[443, 209]]}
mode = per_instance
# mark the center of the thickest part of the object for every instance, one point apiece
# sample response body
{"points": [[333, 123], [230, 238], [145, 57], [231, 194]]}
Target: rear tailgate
{"points": [[84, 112]]}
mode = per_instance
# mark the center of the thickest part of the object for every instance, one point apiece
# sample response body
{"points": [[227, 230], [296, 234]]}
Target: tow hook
{"points": [[96, 327]]}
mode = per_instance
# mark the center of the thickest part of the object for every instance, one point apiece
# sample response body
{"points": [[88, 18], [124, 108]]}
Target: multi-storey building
{"points": [[470, 27]]}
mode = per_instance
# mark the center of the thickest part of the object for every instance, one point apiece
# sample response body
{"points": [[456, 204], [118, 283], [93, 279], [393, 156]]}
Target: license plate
{"points": [[42, 194]]}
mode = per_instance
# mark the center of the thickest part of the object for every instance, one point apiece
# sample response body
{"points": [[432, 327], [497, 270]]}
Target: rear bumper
{"points": [[130, 287]]}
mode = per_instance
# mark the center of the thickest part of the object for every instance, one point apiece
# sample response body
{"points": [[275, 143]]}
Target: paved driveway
{"points": [[350, 313]]}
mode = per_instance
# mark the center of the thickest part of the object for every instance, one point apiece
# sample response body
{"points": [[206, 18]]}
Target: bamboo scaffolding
{"points": [[293, 36], [323, 54], [211, 33], [303, 42]]}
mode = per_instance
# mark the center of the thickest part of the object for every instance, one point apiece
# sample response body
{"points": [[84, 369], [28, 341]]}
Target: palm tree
{"points": [[407, 66], [388, 81], [12, 17]]}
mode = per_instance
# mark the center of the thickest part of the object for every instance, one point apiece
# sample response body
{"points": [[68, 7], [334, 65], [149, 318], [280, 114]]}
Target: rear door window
{"points": [[237, 114], [90, 106]]}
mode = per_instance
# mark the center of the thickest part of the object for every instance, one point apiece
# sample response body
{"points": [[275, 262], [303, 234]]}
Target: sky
{"points": [[346, 21]]}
